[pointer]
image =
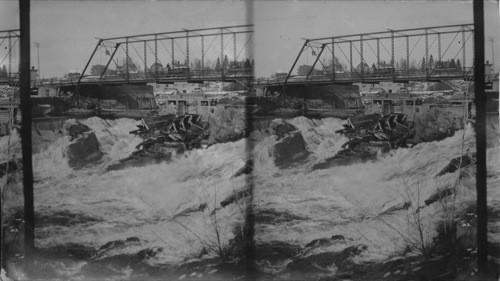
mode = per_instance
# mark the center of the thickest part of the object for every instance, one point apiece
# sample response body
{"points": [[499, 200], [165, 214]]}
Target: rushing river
{"points": [[90, 207]]}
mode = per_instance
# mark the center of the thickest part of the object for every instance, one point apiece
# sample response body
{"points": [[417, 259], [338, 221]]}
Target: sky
{"points": [[281, 25], [67, 30]]}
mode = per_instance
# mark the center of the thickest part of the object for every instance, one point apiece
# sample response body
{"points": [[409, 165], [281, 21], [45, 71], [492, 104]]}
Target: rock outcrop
{"points": [[77, 130], [290, 148], [84, 151], [438, 195], [456, 163]]}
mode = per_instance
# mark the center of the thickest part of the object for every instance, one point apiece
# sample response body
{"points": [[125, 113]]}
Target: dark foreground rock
{"points": [[84, 151], [326, 261], [282, 129], [138, 161], [345, 158], [77, 130], [458, 162], [290, 150], [236, 196], [438, 195], [245, 170]]}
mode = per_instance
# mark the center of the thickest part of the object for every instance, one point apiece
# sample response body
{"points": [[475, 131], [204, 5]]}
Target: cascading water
{"points": [[91, 207], [350, 200], [170, 206]]}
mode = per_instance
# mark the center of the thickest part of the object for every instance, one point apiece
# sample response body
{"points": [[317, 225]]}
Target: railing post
{"points": [[392, 49], [222, 54], [463, 50], [187, 54], [333, 59], [172, 54], [202, 55], [378, 53], [156, 57], [234, 46], [127, 60], [439, 47], [350, 58], [145, 62], [407, 55], [426, 54], [10, 56], [361, 53]]}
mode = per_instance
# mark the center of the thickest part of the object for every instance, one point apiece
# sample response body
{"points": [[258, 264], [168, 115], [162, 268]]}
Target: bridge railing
{"points": [[152, 77], [358, 76]]}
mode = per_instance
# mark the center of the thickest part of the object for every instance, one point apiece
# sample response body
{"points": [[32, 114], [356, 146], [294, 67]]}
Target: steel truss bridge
{"points": [[418, 54], [191, 55], [9, 58]]}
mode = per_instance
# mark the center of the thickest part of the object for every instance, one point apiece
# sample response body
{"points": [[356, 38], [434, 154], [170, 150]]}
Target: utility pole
{"points": [[37, 45], [480, 128], [29, 211]]}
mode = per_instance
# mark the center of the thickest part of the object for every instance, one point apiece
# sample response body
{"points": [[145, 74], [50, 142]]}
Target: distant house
{"points": [[97, 69], [280, 74], [366, 67], [304, 70], [72, 74], [47, 91]]}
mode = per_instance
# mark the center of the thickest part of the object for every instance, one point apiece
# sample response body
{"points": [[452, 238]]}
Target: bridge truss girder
{"points": [[202, 34], [8, 41], [356, 42]]}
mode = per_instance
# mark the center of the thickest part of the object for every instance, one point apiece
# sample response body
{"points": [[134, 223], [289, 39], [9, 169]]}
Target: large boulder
{"points": [[282, 129], [438, 195], [435, 124], [458, 162], [291, 149], [83, 151], [77, 130]]}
